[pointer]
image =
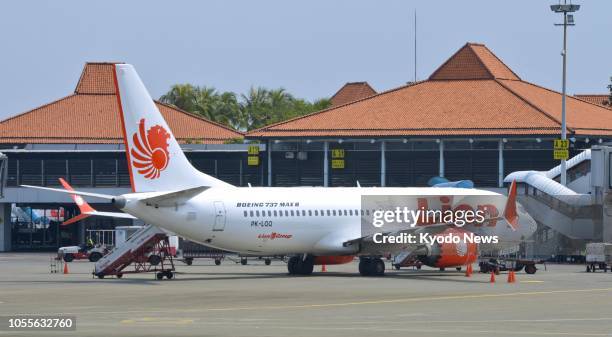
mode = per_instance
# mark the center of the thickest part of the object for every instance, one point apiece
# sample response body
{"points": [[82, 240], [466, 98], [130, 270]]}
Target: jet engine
{"points": [[450, 249]]}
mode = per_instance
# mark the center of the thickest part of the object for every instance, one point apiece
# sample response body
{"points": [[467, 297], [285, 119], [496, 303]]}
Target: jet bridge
{"points": [[581, 211]]}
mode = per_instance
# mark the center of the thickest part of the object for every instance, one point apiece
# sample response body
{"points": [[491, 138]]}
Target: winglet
{"points": [[510, 212], [84, 207]]}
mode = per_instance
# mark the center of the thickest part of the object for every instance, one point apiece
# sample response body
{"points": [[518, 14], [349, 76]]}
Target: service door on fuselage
{"points": [[219, 216]]}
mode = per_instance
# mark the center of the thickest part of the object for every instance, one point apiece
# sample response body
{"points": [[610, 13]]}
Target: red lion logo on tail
{"points": [[150, 153]]}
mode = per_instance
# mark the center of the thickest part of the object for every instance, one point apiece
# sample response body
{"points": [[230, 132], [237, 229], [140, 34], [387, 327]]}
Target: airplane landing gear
{"points": [[300, 266], [371, 266]]}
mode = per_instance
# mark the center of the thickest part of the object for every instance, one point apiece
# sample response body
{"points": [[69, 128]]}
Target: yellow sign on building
{"points": [[337, 163], [338, 153], [561, 154], [253, 161], [253, 150], [561, 144]]}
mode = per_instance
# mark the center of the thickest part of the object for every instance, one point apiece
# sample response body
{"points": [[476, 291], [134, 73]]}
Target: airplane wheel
{"points": [[160, 276], [377, 267], [267, 262], [364, 267], [100, 276], [154, 260], [243, 262], [397, 266], [305, 267], [119, 275], [458, 268], [291, 265], [217, 262], [169, 275]]}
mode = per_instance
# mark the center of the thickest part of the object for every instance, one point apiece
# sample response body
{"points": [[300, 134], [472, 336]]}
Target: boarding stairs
{"points": [[136, 250]]}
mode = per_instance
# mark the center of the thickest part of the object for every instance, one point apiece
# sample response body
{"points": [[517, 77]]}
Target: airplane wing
{"points": [[172, 198]]}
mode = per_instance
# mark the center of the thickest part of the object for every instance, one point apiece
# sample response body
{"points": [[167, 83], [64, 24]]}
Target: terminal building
{"points": [[473, 118]]}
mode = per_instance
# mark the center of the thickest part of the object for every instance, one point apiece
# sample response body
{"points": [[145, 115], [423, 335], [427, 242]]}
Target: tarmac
{"points": [[259, 300]]}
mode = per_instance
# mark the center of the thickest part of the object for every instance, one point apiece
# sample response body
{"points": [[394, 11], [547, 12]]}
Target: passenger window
{"points": [[303, 213], [328, 213], [292, 214], [251, 213], [286, 213], [362, 213], [245, 213], [309, 212], [269, 213], [316, 212], [345, 212], [280, 213], [356, 212], [257, 213], [275, 213], [334, 212], [367, 212]]}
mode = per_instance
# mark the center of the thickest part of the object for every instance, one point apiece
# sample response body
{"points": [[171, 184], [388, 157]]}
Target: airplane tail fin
{"points": [[155, 159], [510, 213], [84, 207]]}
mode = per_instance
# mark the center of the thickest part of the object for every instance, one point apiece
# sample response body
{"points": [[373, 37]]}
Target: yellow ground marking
{"points": [[413, 299]]}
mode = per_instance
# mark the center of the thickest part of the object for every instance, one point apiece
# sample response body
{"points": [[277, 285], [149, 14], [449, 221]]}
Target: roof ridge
{"points": [[480, 60], [37, 108], [502, 62], [191, 114], [533, 105], [335, 107], [568, 96]]}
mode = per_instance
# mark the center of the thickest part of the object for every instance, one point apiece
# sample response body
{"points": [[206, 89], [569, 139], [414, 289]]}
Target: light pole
{"points": [[568, 20]]}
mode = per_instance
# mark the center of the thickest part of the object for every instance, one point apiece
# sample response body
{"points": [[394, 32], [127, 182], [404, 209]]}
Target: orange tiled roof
{"points": [[351, 92], [473, 93], [601, 99], [91, 116]]}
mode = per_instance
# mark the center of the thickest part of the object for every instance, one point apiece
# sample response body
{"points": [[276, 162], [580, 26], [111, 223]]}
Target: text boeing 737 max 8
{"points": [[313, 224]]}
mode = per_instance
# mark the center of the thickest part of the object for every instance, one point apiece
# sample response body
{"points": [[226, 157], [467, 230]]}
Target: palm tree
{"points": [[181, 95]]}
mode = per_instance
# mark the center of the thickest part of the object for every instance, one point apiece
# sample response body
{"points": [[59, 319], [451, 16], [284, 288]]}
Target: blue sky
{"points": [[311, 48]]}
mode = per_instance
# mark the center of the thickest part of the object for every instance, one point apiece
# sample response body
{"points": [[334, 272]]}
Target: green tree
{"points": [[255, 109]]}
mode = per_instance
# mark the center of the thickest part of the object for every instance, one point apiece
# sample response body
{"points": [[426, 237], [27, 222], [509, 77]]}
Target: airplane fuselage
{"points": [[280, 221]]}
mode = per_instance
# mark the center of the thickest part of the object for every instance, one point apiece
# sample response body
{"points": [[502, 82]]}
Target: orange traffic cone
{"points": [[492, 277], [323, 268], [511, 277], [66, 268], [468, 271]]}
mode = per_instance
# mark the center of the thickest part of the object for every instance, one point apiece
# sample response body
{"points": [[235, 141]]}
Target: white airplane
{"points": [[314, 225]]}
